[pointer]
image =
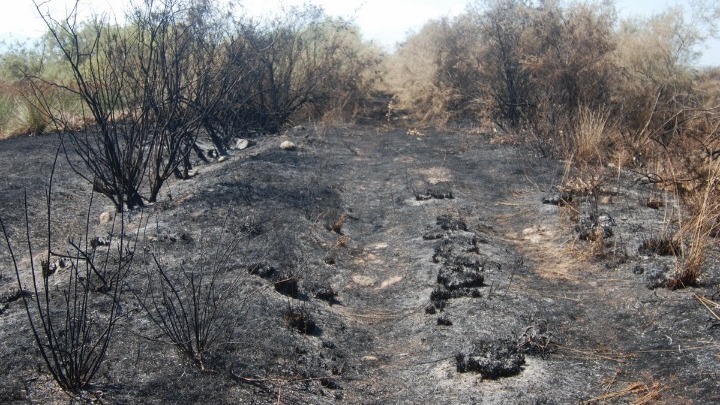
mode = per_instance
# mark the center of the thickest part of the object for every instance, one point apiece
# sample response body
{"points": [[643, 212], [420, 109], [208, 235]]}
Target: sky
{"points": [[385, 22]]}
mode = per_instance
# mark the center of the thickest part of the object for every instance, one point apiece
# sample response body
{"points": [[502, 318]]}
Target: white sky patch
{"points": [[20, 19], [385, 22]]}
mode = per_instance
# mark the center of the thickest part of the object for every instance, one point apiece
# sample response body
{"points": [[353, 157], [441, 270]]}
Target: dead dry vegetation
{"points": [[519, 205], [574, 82]]}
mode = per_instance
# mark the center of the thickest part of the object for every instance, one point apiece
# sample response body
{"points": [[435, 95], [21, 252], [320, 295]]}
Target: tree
{"points": [[502, 25], [147, 89]]}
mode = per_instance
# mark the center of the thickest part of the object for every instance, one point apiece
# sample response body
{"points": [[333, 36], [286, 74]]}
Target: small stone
{"points": [[287, 145], [106, 217], [241, 144]]}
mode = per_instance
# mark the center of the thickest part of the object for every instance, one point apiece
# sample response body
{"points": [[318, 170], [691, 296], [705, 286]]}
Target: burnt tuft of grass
{"points": [[660, 246]]}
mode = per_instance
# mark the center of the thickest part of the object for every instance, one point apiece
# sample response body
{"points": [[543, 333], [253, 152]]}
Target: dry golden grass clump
{"points": [[701, 222], [19, 115], [591, 138], [412, 76]]}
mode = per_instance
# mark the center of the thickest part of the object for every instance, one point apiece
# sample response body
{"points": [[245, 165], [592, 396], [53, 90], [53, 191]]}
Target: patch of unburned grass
{"points": [[592, 136], [704, 208], [23, 113], [640, 393]]}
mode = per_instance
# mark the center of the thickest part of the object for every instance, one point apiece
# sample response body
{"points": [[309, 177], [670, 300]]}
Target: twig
{"points": [[707, 303]]}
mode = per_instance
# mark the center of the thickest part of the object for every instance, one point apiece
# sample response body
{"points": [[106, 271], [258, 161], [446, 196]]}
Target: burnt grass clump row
{"points": [[296, 317], [501, 358], [461, 275], [462, 265]]}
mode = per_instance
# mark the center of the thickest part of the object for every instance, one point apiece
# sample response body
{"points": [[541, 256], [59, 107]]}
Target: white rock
{"points": [[392, 280], [363, 281], [241, 144], [106, 217], [287, 145]]}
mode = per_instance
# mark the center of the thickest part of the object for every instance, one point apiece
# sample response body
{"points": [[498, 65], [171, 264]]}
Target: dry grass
{"points": [[591, 137], [639, 393], [411, 77], [596, 354], [334, 221], [711, 306], [703, 211], [342, 241], [26, 119], [31, 118], [337, 224], [21, 112], [11, 111]]}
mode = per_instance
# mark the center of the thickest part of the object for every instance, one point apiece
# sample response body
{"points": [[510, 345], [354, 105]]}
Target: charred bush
{"points": [[595, 227], [334, 222], [262, 270], [326, 294], [433, 235], [14, 296], [491, 360], [449, 223], [438, 193], [300, 320], [661, 246], [188, 70], [72, 321], [464, 260], [11, 297], [460, 278], [443, 320], [537, 340], [190, 303], [439, 296], [288, 286]]}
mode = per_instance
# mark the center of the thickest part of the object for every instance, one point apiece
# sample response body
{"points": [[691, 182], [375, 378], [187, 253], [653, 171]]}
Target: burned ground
{"points": [[381, 266]]}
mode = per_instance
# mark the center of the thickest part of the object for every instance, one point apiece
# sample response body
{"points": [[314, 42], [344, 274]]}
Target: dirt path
{"points": [[534, 277], [392, 273]]}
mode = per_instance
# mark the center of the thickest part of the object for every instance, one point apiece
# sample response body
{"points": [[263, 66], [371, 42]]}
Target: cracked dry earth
{"points": [[426, 262]]}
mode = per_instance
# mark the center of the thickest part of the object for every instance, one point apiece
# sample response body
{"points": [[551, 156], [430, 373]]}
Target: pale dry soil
{"points": [[360, 211]]}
